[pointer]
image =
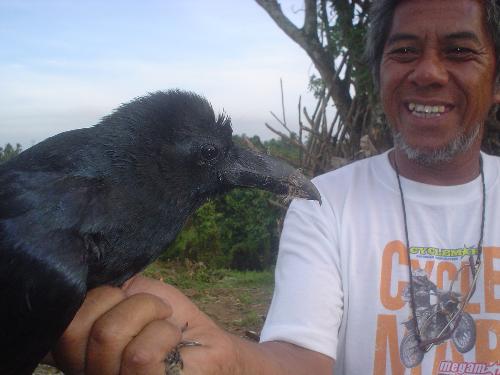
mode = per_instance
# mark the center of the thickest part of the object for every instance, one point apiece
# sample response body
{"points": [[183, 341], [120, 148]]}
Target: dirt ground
{"points": [[234, 314]]}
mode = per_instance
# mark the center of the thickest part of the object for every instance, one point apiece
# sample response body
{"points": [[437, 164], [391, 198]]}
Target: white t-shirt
{"points": [[342, 272]]}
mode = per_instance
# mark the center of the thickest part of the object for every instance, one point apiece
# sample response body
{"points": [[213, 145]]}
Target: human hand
{"points": [[119, 331], [217, 353], [131, 330], [222, 353]]}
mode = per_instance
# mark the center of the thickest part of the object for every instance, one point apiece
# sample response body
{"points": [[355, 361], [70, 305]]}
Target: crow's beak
{"points": [[246, 168]]}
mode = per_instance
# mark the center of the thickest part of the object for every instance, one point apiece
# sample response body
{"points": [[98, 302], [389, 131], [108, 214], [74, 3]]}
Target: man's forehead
{"points": [[467, 5], [449, 19]]}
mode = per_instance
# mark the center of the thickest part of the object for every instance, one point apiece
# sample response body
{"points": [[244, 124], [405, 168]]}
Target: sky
{"points": [[64, 64]]}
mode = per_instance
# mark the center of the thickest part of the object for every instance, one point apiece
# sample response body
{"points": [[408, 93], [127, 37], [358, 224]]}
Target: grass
{"points": [[236, 300], [197, 276]]}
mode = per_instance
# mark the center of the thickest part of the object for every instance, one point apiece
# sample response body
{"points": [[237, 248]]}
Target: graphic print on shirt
{"points": [[438, 314], [441, 279]]}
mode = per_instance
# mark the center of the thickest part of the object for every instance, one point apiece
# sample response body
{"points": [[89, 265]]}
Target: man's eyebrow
{"points": [[401, 37], [461, 35], [467, 35]]}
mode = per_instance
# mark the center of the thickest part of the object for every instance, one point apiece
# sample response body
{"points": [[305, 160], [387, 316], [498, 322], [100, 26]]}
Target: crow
{"points": [[95, 206]]}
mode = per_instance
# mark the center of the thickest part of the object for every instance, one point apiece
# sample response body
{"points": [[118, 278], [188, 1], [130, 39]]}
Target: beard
{"points": [[459, 145]]}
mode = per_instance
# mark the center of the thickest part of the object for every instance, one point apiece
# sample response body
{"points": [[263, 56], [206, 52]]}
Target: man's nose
{"points": [[430, 70]]}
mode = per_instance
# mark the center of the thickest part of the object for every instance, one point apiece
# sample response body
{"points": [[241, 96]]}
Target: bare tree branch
{"points": [[323, 60], [283, 104]]}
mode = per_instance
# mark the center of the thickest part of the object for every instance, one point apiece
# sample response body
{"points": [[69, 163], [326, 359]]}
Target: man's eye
{"points": [[403, 50], [403, 53], [460, 52]]}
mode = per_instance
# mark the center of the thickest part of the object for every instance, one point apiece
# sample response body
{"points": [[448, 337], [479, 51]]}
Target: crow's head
{"points": [[174, 141]]}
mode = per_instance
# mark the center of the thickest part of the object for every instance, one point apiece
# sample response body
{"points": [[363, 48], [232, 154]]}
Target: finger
{"points": [[146, 353], [113, 331], [185, 310], [71, 348]]}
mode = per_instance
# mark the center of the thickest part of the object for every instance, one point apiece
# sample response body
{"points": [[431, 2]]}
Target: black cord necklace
{"points": [[473, 265]]}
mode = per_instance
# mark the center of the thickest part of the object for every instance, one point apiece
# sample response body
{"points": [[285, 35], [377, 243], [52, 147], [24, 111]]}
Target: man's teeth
{"points": [[436, 110], [425, 110]]}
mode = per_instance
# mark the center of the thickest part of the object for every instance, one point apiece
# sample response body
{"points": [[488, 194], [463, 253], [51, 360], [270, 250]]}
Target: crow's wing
{"points": [[40, 294], [43, 262]]}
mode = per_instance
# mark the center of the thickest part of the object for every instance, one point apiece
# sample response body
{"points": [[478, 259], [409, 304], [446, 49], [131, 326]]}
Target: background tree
{"points": [[8, 151], [332, 34]]}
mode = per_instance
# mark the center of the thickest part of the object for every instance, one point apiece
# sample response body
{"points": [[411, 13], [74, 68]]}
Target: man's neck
{"points": [[461, 169]]}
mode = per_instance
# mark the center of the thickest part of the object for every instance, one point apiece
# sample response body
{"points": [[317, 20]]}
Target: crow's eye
{"points": [[209, 152]]}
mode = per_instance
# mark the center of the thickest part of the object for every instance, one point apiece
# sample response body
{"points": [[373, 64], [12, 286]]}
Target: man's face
{"points": [[437, 73]]}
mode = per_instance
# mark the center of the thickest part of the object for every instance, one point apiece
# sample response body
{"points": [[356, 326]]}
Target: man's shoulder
{"points": [[353, 179], [492, 171], [491, 158], [352, 170]]}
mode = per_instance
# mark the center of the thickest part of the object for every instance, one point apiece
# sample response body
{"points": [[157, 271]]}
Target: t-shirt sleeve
{"points": [[306, 309]]}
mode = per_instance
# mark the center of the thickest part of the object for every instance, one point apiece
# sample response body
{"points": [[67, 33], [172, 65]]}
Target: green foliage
{"points": [[316, 86], [9, 151], [343, 27], [283, 149], [199, 241], [248, 228], [237, 230]]}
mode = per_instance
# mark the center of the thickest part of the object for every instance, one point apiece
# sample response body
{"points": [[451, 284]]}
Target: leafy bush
{"points": [[199, 241], [249, 229], [238, 230], [8, 152]]}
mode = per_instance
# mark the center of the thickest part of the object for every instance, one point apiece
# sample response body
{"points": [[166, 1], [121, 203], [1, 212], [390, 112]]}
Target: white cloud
{"points": [[51, 96]]}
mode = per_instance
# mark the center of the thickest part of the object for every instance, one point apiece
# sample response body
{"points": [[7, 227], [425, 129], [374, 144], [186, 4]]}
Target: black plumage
{"points": [[95, 206]]}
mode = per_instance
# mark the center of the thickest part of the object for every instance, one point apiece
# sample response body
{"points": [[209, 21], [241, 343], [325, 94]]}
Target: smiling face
{"points": [[437, 78]]}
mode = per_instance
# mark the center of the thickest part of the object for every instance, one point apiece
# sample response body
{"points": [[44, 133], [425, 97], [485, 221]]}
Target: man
{"points": [[343, 301]]}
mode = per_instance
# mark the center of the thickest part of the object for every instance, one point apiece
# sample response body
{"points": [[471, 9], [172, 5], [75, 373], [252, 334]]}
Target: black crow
{"points": [[95, 206]]}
